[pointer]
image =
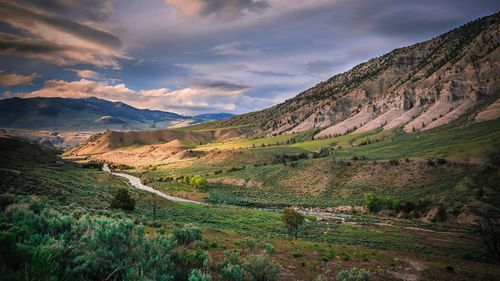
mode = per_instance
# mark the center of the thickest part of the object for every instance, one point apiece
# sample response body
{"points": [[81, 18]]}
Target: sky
{"points": [[205, 56]]}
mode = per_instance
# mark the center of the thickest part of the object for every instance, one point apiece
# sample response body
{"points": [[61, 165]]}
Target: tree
{"points": [[123, 200], [292, 221], [199, 182]]}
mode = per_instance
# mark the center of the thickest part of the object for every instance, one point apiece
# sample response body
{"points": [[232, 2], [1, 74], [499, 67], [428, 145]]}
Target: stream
{"points": [[136, 182]]}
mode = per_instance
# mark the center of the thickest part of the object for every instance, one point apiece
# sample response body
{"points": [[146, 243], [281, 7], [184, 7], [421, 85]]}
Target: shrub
{"points": [[260, 268], [297, 254], [269, 248], [197, 275], [372, 203], [354, 274], [235, 169], [441, 161], [292, 221], [199, 182], [231, 269], [232, 272], [201, 245], [186, 235], [123, 200], [393, 204], [394, 162]]}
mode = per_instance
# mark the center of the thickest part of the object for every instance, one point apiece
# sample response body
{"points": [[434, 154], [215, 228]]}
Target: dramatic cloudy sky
{"points": [[198, 56]]}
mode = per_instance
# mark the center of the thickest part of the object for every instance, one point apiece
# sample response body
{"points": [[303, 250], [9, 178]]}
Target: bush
{"points": [[260, 268], [122, 200], [297, 254], [186, 235], [292, 221], [197, 275], [199, 182], [374, 203], [354, 274], [231, 269], [269, 248], [232, 272], [441, 161], [51, 246]]}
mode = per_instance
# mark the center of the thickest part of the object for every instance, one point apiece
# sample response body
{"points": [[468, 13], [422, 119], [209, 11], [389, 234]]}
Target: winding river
{"points": [[136, 182]]}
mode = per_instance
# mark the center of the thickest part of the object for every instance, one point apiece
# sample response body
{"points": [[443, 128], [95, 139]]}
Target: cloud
{"points": [[54, 38], [271, 73], [219, 85], [203, 96], [87, 74], [236, 49], [14, 79], [226, 9]]}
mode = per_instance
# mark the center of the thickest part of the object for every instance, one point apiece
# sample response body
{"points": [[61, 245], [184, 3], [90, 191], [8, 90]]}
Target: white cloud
{"points": [[14, 79], [198, 98], [86, 74]]}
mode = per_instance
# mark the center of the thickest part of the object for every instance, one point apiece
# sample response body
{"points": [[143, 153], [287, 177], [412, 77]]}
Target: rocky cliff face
{"points": [[423, 86]]}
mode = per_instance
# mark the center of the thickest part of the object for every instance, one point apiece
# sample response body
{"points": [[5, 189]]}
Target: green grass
{"points": [[247, 143], [78, 190], [478, 140]]}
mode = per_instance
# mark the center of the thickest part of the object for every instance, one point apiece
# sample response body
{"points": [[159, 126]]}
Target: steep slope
{"points": [[419, 87]]}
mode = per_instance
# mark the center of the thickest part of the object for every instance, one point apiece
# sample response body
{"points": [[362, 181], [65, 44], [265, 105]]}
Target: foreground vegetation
{"points": [[53, 211]]}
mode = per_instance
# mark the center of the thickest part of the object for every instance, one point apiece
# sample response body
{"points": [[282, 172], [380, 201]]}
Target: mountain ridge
{"points": [[88, 114], [418, 87]]}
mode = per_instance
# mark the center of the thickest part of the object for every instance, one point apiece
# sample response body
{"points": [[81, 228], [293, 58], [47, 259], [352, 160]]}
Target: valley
{"points": [[387, 171]]}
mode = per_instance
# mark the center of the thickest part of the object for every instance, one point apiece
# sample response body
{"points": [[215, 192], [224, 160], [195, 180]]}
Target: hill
{"points": [[15, 153], [423, 86], [89, 114]]}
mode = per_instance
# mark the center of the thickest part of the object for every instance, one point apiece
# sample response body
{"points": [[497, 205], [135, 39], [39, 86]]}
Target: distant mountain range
{"points": [[89, 114], [451, 78]]}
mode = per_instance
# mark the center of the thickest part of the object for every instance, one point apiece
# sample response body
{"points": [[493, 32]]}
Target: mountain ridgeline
{"points": [[89, 114], [451, 77]]}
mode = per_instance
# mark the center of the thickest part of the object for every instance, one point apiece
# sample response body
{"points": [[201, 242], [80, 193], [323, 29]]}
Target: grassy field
{"points": [[248, 185], [386, 247], [408, 167]]}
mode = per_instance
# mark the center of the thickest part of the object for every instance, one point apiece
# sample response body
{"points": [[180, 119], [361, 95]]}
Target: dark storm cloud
{"points": [[219, 85], [97, 10], [39, 32], [16, 15], [11, 45]]}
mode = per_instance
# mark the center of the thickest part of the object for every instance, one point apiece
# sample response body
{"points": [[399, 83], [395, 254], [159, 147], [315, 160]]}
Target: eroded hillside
{"points": [[419, 87]]}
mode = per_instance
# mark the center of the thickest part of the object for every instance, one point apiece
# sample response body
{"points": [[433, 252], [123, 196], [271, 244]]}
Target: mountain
{"points": [[451, 77], [89, 114], [214, 116]]}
